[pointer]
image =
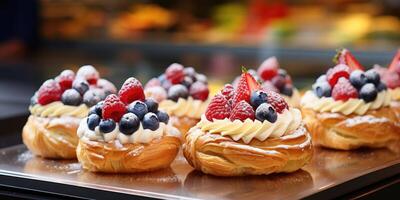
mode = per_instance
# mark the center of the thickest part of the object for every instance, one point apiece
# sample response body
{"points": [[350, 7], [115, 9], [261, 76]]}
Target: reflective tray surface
{"points": [[327, 171]]}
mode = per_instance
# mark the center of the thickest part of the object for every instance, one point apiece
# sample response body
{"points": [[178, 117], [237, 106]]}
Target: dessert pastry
{"points": [[248, 131], [276, 79], [127, 133], [182, 93], [349, 108], [57, 108]]}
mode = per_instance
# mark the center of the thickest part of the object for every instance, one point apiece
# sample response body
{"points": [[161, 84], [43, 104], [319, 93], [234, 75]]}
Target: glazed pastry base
{"points": [[396, 109], [375, 129], [184, 124], [222, 156], [51, 137]]}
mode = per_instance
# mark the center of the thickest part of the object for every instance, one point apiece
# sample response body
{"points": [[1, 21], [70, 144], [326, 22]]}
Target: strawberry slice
{"points": [[246, 85], [395, 64], [344, 56]]}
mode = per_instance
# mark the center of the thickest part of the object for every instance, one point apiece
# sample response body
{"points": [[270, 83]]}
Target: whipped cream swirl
{"points": [[395, 94], [189, 107], [58, 109]]}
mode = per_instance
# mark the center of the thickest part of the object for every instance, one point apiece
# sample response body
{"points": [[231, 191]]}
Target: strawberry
{"points": [[50, 91], [65, 79], [218, 108], [242, 111], [276, 101], [268, 69], [131, 90], [175, 73], [199, 90], [343, 90], [345, 57], [228, 91], [395, 64], [335, 73], [246, 85], [113, 108]]}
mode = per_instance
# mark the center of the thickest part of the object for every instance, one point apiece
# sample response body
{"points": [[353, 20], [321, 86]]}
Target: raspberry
{"points": [[228, 91], [242, 111], [335, 73], [175, 73], [113, 108], [343, 90], [268, 69], [50, 91], [89, 73], [65, 79], [199, 90], [246, 85], [131, 90], [218, 108], [152, 83], [392, 80], [277, 101]]}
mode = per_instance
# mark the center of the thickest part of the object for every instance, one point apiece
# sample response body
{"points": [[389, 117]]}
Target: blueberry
{"points": [[266, 112], [80, 85], [129, 123], [178, 91], [373, 77], [321, 78], [106, 125], [282, 72], [71, 97], [92, 121], [287, 90], [166, 84], [150, 121], [152, 105], [189, 71], [163, 117], [162, 78], [381, 86], [187, 81], [257, 98], [279, 82], [368, 92], [201, 78], [92, 96], [138, 108], [322, 89], [97, 109], [358, 79]]}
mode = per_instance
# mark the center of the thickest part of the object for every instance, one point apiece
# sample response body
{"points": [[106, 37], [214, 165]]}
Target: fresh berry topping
{"points": [[97, 109], [279, 82], [92, 96], [80, 85], [178, 91], [129, 123], [199, 90], [138, 108], [150, 121], [395, 64], [368, 92], [242, 111], [131, 90], [381, 87], [113, 108], [187, 81], [322, 89], [228, 91], [201, 78], [268, 86], [257, 98], [163, 117], [107, 86], [34, 100], [65, 79], [372, 77], [282, 72], [153, 83], [358, 78], [343, 90], [93, 121], [391, 79], [189, 71], [174, 73], [287, 90], [276, 101], [157, 93], [106, 125], [266, 112], [71, 97], [89, 73], [246, 85], [321, 78], [218, 108], [345, 57], [337, 72], [50, 91], [152, 105], [166, 84], [268, 69]]}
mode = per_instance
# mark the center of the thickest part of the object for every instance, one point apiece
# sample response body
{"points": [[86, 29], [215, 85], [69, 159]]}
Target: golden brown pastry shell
{"points": [[395, 105], [184, 124], [222, 156]]}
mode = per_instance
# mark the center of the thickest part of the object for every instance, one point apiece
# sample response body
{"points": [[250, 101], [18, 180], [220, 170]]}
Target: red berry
{"points": [[246, 85], [242, 111], [345, 57], [268, 69], [50, 91], [268, 86], [343, 90], [113, 108], [276, 101], [199, 90], [65, 79], [89, 73], [228, 91], [395, 64], [152, 83], [337, 72], [131, 90], [218, 108], [391, 79], [175, 73]]}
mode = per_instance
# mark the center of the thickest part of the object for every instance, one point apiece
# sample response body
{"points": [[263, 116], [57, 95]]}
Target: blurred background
{"points": [[122, 38]]}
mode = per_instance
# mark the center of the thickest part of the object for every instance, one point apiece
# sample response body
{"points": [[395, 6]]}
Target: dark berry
{"points": [[129, 123], [321, 78], [98, 108], [282, 72], [266, 112], [358, 79], [279, 82], [372, 77], [152, 105], [257, 98], [178, 91], [80, 85], [150, 121], [322, 89], [287, 90], [71, 97], [92, 96], [187, 81], [382, 86], [138, 108], [106, 125], [92, 121], [163, 116], [368, 92]]}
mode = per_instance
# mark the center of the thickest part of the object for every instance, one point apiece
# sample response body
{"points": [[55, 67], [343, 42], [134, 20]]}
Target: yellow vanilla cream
{"points": [[58, 109], [294, 100], [395, 94], [185, 107]]}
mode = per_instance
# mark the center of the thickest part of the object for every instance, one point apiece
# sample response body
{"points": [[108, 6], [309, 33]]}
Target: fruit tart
{"points": [[57, 108], [248, 131], [276, 79], [182, 93], [127, 133], [349, 108]]}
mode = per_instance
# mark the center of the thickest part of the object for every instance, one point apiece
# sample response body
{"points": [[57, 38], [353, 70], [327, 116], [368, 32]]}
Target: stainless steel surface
{"points": [[328, 169]]}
